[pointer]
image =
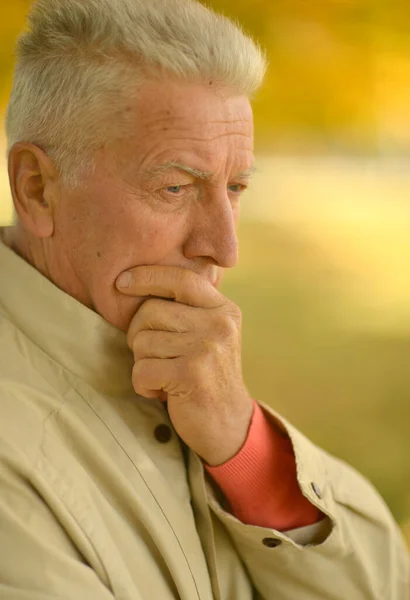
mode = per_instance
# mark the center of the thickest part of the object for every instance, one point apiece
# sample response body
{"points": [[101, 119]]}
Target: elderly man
{"points": [[133, 462]]}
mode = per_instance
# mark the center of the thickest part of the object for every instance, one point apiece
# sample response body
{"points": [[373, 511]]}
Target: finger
{"points": [[161, 315], [152, 375], [182, 285], [161, 344]]}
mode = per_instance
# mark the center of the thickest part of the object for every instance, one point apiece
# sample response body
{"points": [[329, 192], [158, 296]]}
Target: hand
{"points": [[188, 353]]}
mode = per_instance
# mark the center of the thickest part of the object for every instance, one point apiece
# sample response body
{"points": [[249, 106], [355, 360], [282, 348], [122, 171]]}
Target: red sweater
{"points": [[260, 482]]}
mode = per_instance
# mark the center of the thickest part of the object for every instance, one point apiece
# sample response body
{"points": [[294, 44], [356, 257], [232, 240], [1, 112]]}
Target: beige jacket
{"points": [[93, 506]]}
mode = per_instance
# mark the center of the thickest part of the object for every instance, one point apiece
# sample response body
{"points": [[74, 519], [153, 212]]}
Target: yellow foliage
{"points": [[339, 71]]}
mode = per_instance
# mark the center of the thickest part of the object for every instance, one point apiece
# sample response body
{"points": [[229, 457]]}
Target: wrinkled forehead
{"points": [[193, 123], [190, 108]]}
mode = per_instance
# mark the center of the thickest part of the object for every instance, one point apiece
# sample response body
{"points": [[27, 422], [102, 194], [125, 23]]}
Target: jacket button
{"points": [[271, 542], [316, 489], [163, 434]]}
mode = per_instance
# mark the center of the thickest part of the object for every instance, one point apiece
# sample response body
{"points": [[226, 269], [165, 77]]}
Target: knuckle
{"points": [[143, 311], [225, 325], [140, 344], [140, 371], [153, 304], [194, 367], [149, 276], [132, 331], [235, 313], [136, 380]]}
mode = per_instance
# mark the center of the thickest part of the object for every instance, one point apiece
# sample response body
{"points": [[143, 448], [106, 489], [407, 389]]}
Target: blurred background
{"points": [[323, 280]]}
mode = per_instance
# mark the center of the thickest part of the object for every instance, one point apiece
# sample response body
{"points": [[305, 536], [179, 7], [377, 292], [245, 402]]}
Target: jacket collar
{"points": [[70, 333]]}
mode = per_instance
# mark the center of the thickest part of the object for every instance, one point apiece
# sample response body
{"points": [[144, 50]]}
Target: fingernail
{"points": [[124, 280]]}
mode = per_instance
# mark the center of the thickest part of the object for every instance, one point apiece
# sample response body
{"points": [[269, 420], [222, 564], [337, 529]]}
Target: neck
{"points": [[5, 236], [27, 247], [44, 259], [72, 335]]}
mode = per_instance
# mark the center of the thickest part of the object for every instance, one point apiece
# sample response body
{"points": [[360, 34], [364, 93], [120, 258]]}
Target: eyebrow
{"points": [[196, 173]]}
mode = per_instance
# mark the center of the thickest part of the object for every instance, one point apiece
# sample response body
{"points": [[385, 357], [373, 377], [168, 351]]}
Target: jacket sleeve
{"points": [[37, 559], [356, 551], [260, 482]]}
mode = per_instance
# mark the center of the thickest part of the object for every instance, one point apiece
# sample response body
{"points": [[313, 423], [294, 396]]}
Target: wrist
{"points": [[230, 441]]}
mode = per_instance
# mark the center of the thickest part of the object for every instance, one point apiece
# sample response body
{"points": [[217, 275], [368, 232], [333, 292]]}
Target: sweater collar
{"points": [[70, 333]]}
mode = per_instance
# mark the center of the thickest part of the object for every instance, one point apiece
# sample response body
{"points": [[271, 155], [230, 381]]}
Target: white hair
{"points": [[79, 60]]}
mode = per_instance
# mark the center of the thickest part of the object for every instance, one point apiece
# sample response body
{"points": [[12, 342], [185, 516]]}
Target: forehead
{"points": [[172, 119], [160, 102]]}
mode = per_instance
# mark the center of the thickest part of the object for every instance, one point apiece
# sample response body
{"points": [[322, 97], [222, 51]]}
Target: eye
{"points": [[174, 189], [237, 188], [175, 193]]}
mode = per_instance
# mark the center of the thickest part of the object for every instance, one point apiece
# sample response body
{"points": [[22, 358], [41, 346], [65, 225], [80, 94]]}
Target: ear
{"points": [[33, 180]]}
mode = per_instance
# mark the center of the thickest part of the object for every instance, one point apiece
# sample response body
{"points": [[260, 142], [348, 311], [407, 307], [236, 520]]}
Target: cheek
{"points": [[74, 234], [130, 242], [131, 236], [105, 233]]}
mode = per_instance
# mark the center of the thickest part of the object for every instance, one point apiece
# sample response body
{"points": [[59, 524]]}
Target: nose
{"points": [[213, 233]]}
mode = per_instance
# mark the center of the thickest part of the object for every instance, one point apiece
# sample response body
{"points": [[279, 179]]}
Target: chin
{"points": [[120, 311]]}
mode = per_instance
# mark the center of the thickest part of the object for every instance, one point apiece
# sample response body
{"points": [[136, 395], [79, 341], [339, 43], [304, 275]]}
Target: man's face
{"points": [[168, 194]]}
